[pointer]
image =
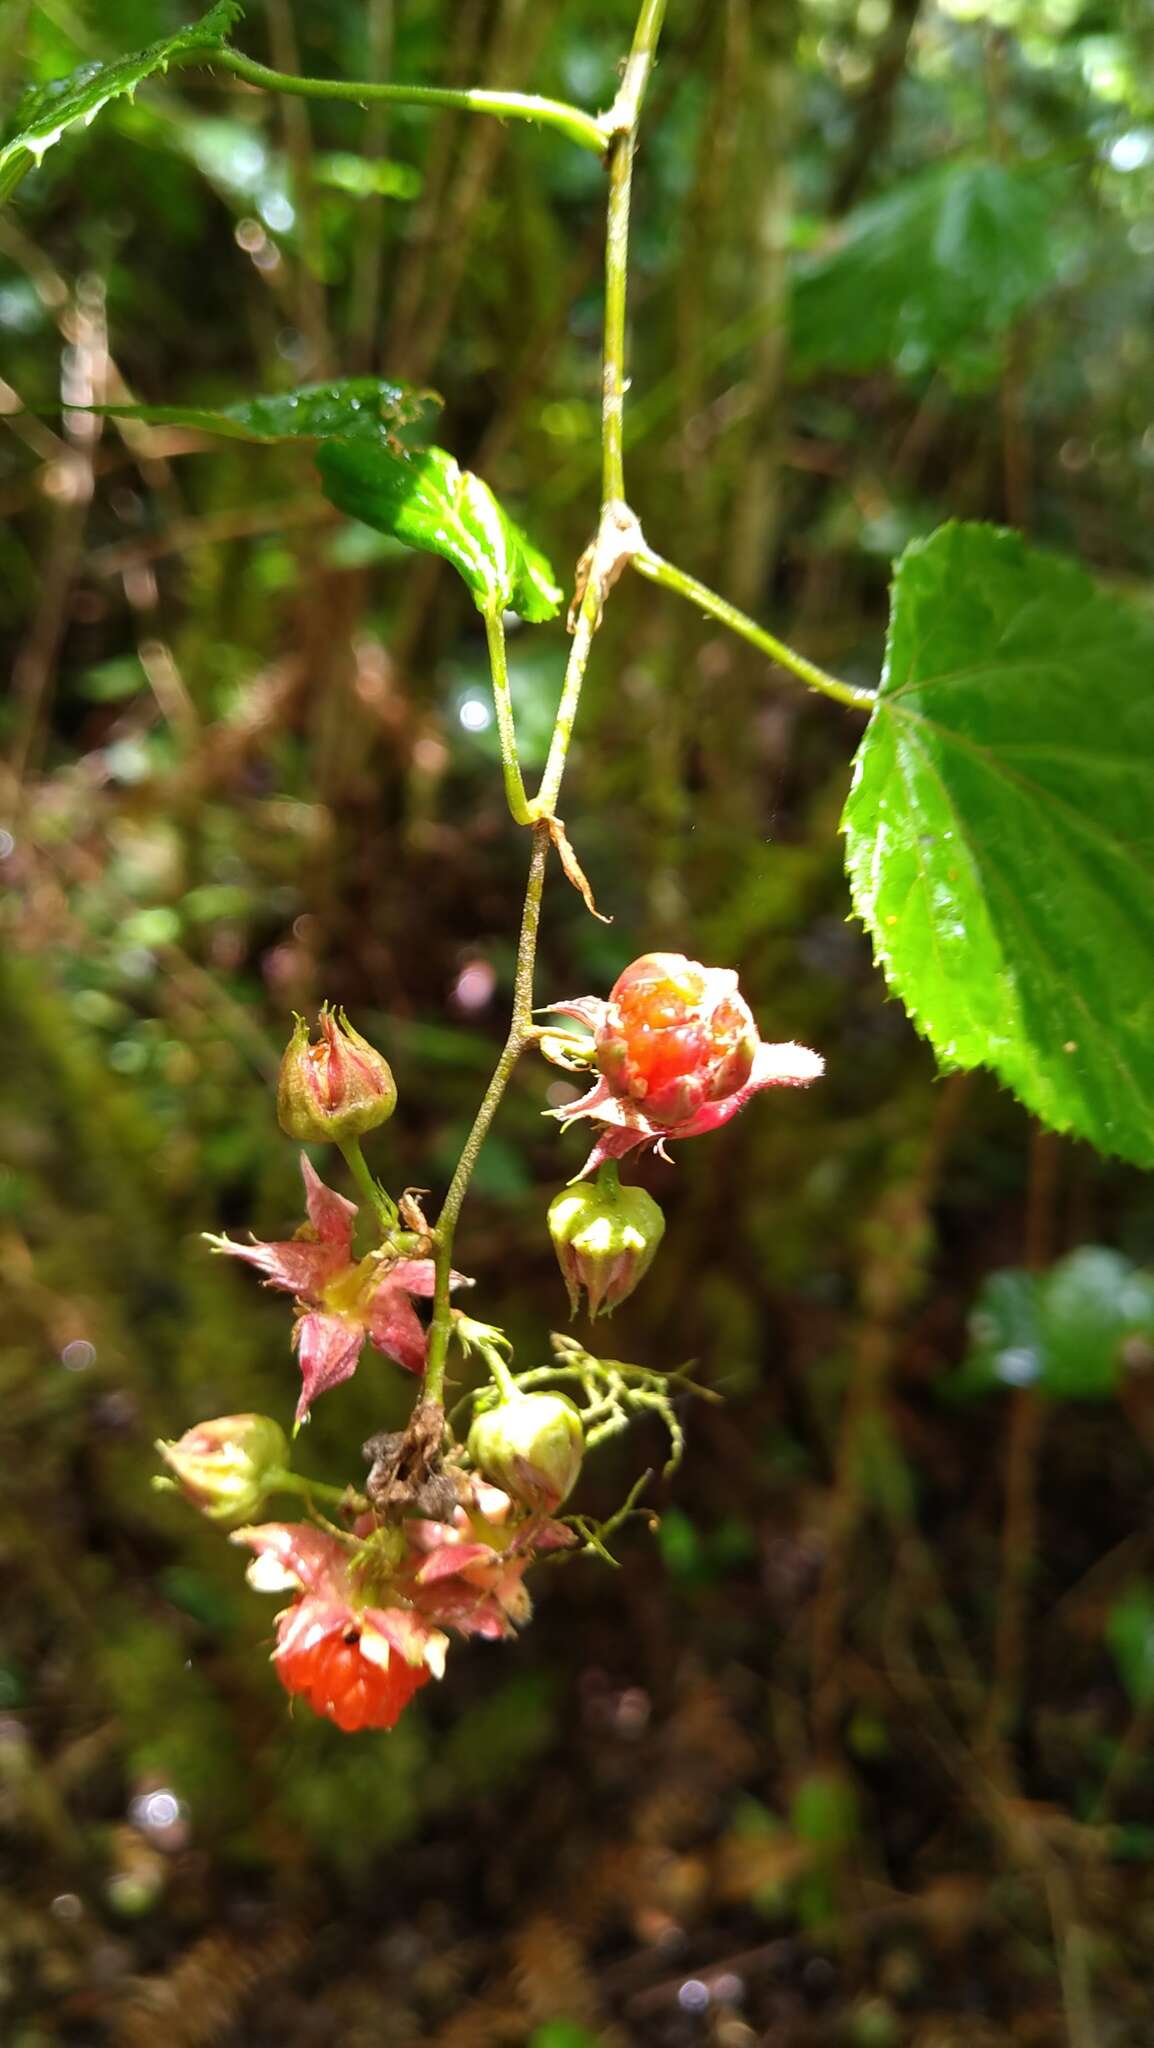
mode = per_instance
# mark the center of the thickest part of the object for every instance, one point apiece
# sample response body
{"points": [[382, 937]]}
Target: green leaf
{"points": [[1000, 832], [825, 1812], [1005, 1336], [353, 407], [426, 500], [563, 2034], [421, 497], [47, 113], [939, 267], [1130, 1635], [682, 1550], [1091, 1302], [1063, 1331]]}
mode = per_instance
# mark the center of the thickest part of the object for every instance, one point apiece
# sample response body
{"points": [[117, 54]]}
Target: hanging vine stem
{"points": [[617, 535], [618, 541]]}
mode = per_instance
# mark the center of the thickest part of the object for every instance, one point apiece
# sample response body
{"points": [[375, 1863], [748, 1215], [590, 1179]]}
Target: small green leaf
{"points": [[47, 113], [353, 407], [1130, 1635], [1062, 1332], [825, 1812], [682, 1550], [364, 177], [1005, 1336], [929, 274], [1000, 833], [427, 501], [1090, 1303], [563, 2034]]}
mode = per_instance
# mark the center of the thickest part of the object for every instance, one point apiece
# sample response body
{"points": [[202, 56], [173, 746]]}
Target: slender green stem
{"points": [[622, 123], [613, 537], [626, 110], [515, 795], [545, 801], [616, 293], [519, 1028], [381, 1204], [499, 1373], [298, 1482], [707, 600], [617, 536], [573, 122]]}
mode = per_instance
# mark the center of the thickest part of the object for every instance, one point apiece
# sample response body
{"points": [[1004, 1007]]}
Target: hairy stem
{"points": [[520, 1026], [617, 537], [622, 123], [545, 801], [573, 122], [706, 600], [614, 540]]}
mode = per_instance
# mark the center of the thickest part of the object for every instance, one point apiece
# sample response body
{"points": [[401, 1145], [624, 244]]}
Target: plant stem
{"points": [[515, 795], [617, 533], [298, 1482], [545, 801], [381, 1204], [617, 536], [500, 1374], [580, 127], [706, 600], [621, 123], [616, 292], [520, 1026]]}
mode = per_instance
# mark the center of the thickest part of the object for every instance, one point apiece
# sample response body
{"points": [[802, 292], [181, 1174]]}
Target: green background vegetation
{"points": [[861, 1739]]}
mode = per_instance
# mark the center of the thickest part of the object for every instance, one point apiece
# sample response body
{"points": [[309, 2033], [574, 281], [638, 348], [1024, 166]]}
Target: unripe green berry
{"points": [[335, 1090], [605, 1237], [530, 1445], [224, 1466]]}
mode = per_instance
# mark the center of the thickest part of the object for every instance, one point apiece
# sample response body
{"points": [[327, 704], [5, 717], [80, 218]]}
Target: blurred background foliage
{"points": [[856, 1750]]}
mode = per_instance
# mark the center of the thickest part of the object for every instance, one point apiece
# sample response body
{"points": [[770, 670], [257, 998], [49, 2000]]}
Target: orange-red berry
{"points": [[675, 1036], [338, 1681]]}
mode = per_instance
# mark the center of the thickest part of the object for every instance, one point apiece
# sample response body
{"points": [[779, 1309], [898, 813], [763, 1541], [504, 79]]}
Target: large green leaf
{"points": [[47, 114], [1000, 828], [427, 501], [353, 407], [936, 269]]}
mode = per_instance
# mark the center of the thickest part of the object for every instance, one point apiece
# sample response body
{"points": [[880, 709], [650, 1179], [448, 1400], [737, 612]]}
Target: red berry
{"points": [[675, 1036], [338, 1681]]}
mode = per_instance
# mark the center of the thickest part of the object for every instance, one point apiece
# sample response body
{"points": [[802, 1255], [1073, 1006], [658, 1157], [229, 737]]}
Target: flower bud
{"points": [[335, 1090], [605, 1237], [675, 1036], [224, 1467], [532, 1446]]}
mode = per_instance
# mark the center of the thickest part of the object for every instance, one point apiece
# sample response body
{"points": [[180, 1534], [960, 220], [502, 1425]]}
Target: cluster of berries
{"points": [[443, 1533]]}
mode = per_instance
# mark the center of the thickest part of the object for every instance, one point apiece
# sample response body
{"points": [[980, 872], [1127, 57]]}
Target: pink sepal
{"points": [[308, 1558], [328, 1348]]}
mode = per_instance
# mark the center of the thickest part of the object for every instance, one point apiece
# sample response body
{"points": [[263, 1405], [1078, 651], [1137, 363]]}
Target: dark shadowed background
{"points": [[855, 1750]]}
